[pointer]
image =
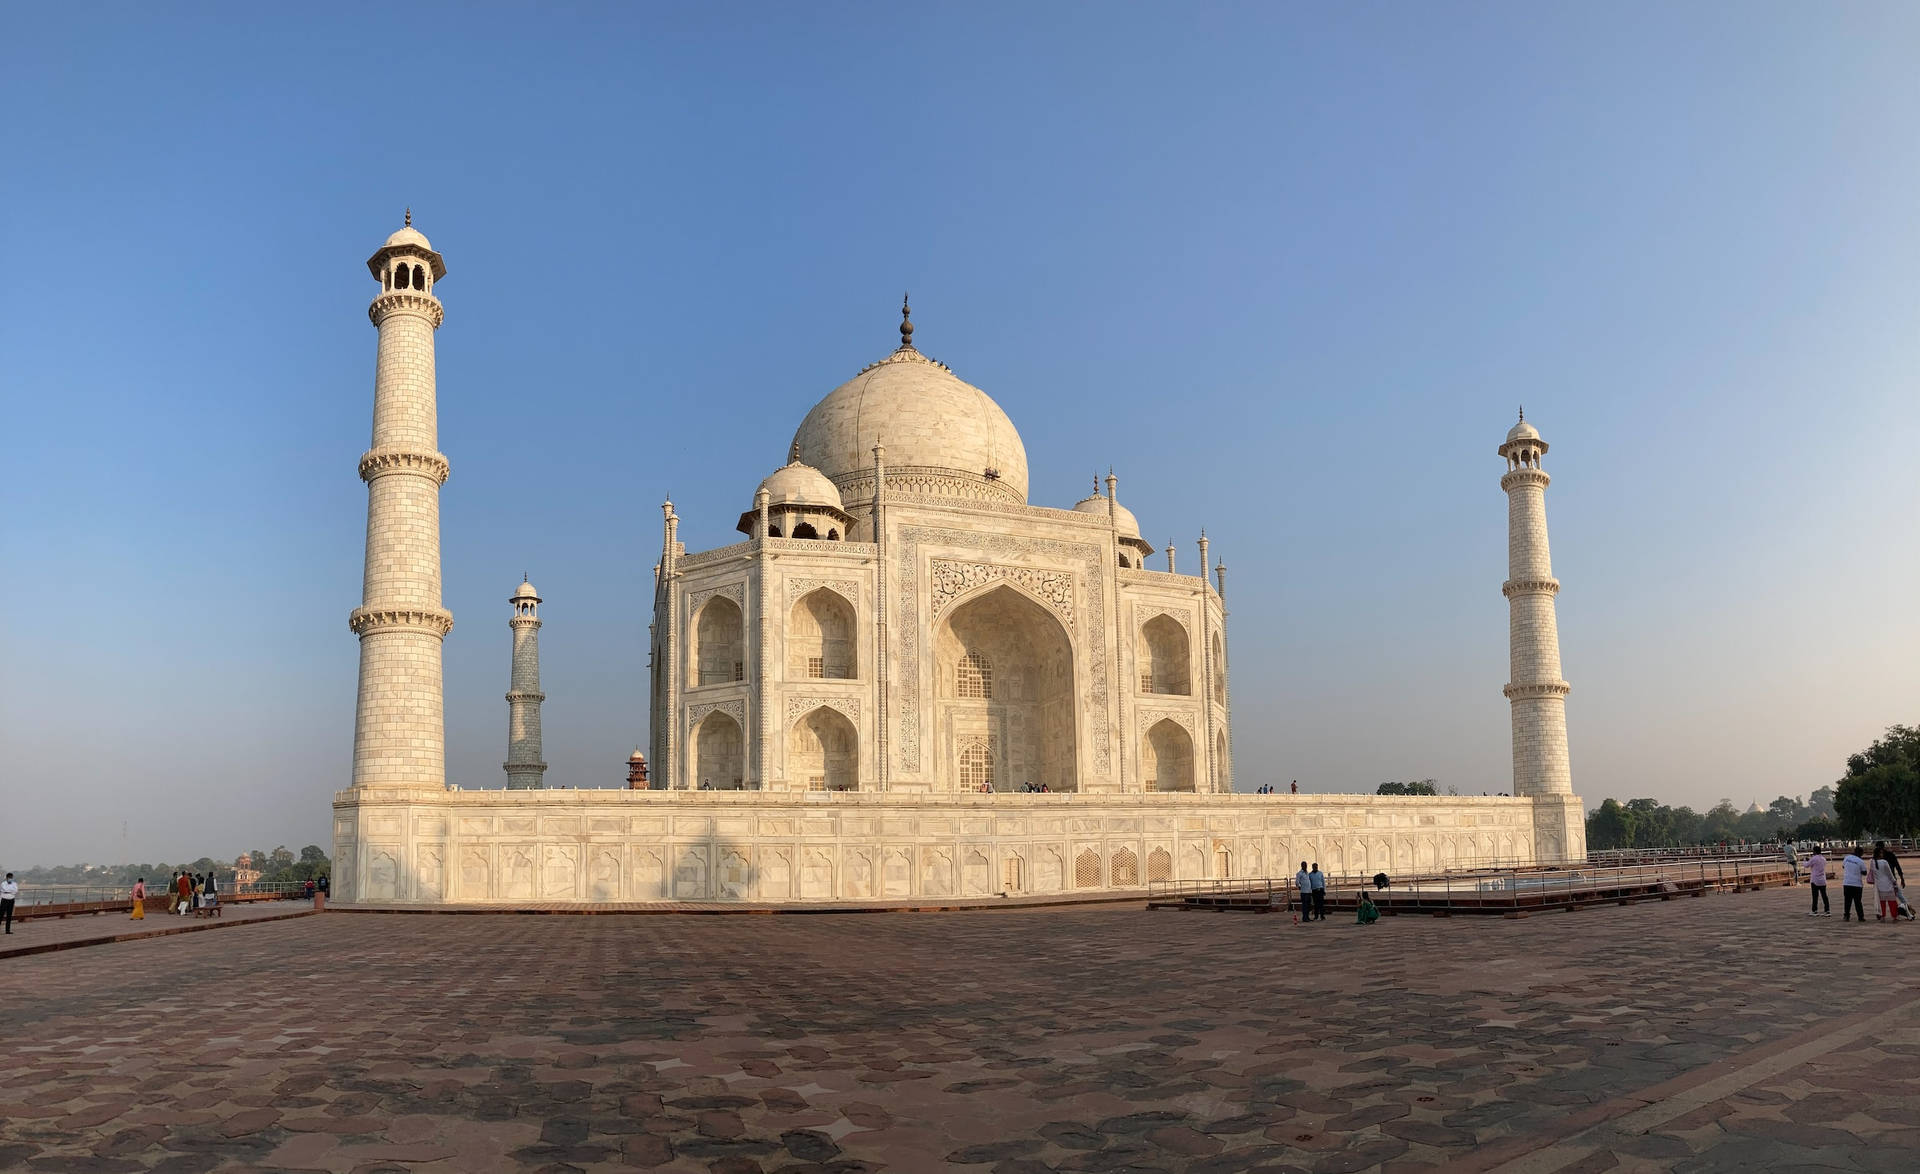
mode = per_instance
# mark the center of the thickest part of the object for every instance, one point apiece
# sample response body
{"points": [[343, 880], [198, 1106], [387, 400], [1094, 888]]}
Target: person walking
{"points": [[1851, 869], [213, 893], [1318, 880], [1817, 882], [1886, 889], [1303, 884], [1793, 862], [183, 893], [9, 893], [140, 899]]}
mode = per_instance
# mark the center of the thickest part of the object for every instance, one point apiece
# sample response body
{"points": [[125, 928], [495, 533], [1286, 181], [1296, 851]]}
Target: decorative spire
{"points": [[409, 216], [1523, 413], [793, 455], [906, 324]]}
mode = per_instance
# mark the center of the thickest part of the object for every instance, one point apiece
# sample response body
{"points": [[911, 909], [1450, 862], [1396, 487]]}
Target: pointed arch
{"points": [[821, 637], [719, 753], [823, 752], [1219, 670], [1004, 679], [1166, 757], [719, 643], [1166, 665]]}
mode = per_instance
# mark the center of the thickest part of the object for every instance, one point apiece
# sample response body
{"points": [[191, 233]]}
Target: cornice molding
{"points": [[384, 462], [1513, 587], [406, 301], [1539, 689], [366, 620], [1518, 477]]}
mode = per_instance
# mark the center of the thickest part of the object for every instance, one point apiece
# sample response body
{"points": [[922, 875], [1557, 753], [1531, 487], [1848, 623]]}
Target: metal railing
{"points": [[1485, 890]]}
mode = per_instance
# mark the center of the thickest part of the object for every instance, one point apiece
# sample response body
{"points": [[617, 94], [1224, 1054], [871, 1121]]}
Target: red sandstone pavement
{"points": [[1728, 1032], [43, 934]]}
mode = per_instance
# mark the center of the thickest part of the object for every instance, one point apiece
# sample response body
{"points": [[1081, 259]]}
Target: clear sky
{"points": [[1289, 268]]}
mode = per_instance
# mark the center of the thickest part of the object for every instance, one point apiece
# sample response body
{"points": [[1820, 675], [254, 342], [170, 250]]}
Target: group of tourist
{"points": [[187, 892], [1883, 870], [1270, 789]]}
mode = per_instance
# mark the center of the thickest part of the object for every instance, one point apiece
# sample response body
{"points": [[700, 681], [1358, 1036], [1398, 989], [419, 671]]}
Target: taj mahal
{"points": [[907, 681]]}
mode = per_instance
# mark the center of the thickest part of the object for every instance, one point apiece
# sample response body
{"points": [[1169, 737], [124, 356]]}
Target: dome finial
{"points": [[906, 324], [1523, 413], [793, 456], [409, 216]]}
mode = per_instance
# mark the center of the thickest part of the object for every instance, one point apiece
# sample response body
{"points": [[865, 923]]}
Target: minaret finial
{"points": [[793, 455], [906, 324], [409, 215], [1523, 413]]}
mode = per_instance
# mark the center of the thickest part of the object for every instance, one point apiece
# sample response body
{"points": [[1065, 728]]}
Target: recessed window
{"points": [[817, 667]]}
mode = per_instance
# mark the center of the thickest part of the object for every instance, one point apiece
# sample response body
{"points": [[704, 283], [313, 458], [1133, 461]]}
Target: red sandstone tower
{"points": [[637, 771]]}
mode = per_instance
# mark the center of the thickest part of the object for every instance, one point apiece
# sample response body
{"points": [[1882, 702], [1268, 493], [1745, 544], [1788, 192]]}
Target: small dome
{"points": [[1522, 431], [801, 485], [1122, 516], [525, 591], [636, 756], [409, 236]]}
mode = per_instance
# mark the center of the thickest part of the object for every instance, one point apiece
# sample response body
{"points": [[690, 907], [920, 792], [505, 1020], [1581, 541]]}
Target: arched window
{"points": [[820, 637], [719, 648], [1219, 670], [400, 277], [805, 530], [1164, 664], [833, 535], [419, 277], [1166, 758], [976, 767], [975, 677]]}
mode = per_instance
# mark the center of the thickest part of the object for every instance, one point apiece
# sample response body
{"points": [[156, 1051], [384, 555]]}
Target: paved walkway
{"points": [[46, 934], [1724, 1033]]}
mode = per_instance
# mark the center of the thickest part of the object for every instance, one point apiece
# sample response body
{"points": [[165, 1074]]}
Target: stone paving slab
{"points": [[1727, 1032], [47, 934]]}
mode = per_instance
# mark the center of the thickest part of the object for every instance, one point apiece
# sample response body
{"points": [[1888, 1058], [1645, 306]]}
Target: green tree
{"points": [[1419, 787], [1881, 790], [1820, 803], [1610, 826]]}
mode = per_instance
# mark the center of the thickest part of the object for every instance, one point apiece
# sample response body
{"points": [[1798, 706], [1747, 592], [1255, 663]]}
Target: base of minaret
{"points": [[1559, 829], [525, 776]]}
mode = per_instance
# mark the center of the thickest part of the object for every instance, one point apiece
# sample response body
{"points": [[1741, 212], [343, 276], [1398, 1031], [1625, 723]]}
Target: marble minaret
{"points": [[524, 767], [1541, 770], [399, 729]]}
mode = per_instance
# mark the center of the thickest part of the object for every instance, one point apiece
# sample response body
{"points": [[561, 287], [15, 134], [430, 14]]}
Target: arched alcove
{"points": [[719, 754], [719, 645], [1219, 670], [1165, 665], [1166, 757], [1004, 685], [820, 638], [823, 752], [1225, 775]]}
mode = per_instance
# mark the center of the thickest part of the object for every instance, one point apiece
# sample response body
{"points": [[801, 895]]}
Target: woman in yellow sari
{"points": [[140, 899]]}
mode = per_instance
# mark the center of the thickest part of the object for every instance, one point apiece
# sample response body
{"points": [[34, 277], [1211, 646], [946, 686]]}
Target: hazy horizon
{"points": [[1288, 270]]}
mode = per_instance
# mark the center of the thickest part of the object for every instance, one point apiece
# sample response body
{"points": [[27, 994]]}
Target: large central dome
{"points": [[927, 418]]}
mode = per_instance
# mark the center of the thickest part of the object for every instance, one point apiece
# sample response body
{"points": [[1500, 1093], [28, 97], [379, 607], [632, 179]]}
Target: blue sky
{"points": [[1287, 268]]}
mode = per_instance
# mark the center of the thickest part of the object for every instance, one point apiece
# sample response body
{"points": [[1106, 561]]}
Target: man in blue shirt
{"points": [[1318, 880]]}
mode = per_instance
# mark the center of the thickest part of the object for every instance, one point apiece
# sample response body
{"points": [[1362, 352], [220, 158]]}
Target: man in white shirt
{"points": [[1852, 871], [10, 892], [1303, 884], [1319, 882]]}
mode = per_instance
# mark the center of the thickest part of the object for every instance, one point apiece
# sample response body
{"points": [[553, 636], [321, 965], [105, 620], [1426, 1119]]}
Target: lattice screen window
{"points": [[976, 767], [1146, 682], [975, 677], [1159, 865], [1126, 868], [817, 667], [1086, 870], [816, 782], [739, 670]]}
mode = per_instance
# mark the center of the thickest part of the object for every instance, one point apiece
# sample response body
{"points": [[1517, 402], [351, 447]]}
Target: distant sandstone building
{"points": [[907, 681]]}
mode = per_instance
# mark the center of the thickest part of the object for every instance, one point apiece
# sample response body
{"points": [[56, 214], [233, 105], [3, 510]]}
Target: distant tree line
{"points": [[1878, 796], [1418, 787], [278, 865]]}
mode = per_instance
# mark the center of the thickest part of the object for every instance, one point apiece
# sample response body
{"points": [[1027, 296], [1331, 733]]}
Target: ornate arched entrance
{"points": [[1004, 689]]}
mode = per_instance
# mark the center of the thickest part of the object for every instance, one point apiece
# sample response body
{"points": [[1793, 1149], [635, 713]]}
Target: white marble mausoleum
{"points": [[906, 681]]}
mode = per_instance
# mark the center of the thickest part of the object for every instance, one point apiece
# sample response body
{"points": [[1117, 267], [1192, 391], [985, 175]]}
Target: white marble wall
{"points": [[397, 844]]}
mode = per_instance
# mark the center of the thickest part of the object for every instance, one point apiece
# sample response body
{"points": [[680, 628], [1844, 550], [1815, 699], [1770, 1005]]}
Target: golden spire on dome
{"points": [[906, 324]]}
